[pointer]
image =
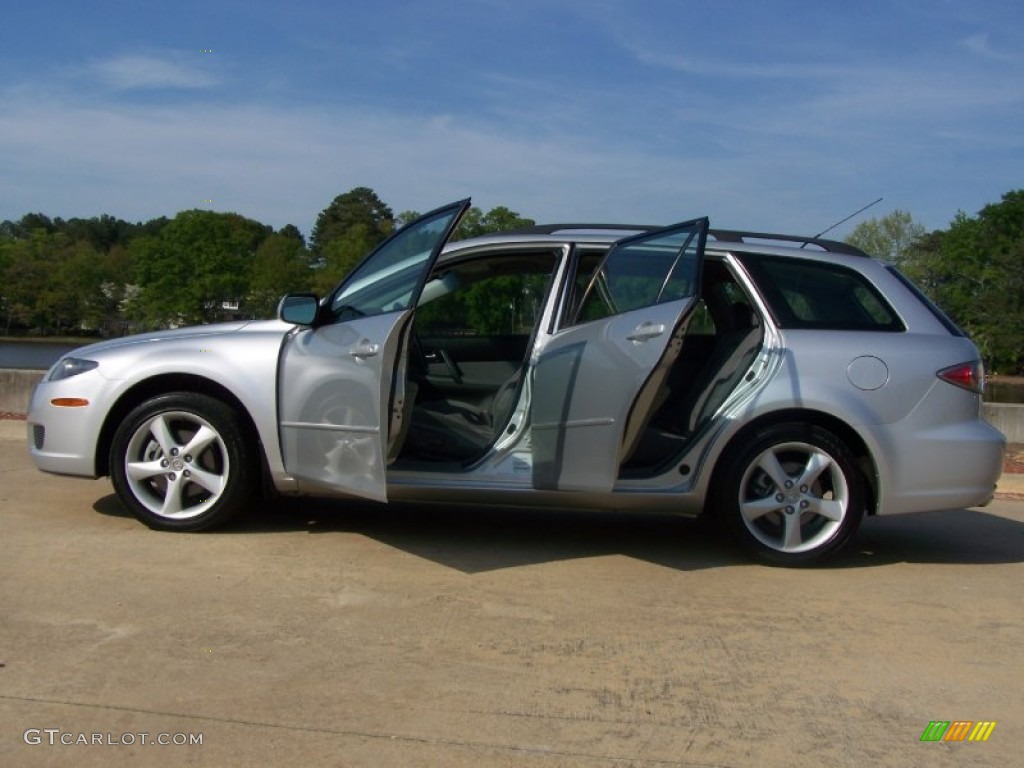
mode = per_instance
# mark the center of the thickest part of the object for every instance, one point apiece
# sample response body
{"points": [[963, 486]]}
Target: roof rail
{"points": [[720, 235], [551, 229], [832, 246]]}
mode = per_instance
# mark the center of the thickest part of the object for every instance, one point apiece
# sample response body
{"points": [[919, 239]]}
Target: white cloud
{"points": [[980, 45], [282, 167], [792, 159], [177, 70]]}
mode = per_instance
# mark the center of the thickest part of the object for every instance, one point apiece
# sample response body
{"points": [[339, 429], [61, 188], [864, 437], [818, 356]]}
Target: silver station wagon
{"points": [[785, 386]]}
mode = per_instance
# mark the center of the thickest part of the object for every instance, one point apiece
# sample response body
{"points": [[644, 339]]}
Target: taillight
{"points": [[969, 376]]}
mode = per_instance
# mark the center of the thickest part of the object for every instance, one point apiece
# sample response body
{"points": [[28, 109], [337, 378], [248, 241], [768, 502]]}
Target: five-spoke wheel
{"points": [[793, 494], [180, 462]]}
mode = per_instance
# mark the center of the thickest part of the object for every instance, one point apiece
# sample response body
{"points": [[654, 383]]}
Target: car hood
{"points": [[195, 331]]}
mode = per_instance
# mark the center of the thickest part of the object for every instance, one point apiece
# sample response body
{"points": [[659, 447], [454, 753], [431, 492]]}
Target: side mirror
{"points": [[298, 308]]}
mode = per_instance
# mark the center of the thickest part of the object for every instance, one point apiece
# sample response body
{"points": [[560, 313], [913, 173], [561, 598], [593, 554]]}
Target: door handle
{"points": [[364, 348], [645, 332]]}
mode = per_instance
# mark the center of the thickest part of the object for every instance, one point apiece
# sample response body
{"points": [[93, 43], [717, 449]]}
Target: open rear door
{"points": [[597, 379], [335, 377]]}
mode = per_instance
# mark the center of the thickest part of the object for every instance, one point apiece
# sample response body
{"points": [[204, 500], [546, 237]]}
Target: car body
{"points": [[785, 386]]}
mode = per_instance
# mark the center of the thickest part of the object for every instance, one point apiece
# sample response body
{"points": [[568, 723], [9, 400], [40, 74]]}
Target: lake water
{"points": [[32, 355]]}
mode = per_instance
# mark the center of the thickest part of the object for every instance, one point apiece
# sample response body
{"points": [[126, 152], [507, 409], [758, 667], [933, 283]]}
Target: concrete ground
{"points": [[325, 634]]}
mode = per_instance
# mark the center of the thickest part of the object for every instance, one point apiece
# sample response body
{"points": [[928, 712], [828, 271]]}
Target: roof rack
{"points": [[551, 229], [832, 246], [720, 235]]}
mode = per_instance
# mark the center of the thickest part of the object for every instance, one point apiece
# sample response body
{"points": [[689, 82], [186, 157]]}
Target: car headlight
{"points": [[70, 366]]}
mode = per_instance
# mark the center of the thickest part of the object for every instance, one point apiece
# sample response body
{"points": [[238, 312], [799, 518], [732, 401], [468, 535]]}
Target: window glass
{"points": [[643, 271], [810, 294], [586, 265], [701, 321], [487, 298], [734, 294], [385, 282]]}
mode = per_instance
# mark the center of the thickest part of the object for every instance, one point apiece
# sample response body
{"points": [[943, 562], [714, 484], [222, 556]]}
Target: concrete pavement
{"points": [[319, 633]]}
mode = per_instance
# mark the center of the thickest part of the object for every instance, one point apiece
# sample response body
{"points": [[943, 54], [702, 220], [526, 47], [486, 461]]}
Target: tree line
{"points": [[973, 270], [104, 276], [107, 277]]}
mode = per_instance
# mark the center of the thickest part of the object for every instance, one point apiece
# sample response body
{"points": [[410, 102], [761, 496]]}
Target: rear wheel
{"points": [[182, 462], [793, 495]]}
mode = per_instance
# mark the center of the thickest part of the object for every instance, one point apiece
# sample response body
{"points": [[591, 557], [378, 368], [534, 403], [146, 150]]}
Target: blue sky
{"points": [[781, 116]]}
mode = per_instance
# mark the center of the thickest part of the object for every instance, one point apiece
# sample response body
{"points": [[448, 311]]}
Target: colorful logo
{"points": [[958, 730]]}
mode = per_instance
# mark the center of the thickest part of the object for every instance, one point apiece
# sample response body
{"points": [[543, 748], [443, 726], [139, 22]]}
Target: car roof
{"points": [[718, 239]]}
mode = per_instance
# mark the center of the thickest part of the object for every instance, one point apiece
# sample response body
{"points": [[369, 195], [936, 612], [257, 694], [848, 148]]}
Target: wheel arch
{"points": [[165, 384], [851, 438]]}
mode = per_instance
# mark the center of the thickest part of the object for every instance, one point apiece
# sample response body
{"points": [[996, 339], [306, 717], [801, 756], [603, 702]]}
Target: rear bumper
{"points": [[949, 466]]}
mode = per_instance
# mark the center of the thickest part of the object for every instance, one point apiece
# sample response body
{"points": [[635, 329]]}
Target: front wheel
{"points": [[182, 462], [793, 495]]}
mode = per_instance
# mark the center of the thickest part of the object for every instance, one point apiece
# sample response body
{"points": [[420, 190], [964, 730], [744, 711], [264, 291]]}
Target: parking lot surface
{"points": [[323, 633]]}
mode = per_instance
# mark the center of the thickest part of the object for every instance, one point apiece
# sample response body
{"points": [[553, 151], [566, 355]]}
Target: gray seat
{"points": [[692, 400], [734, 350], [452, 430]]}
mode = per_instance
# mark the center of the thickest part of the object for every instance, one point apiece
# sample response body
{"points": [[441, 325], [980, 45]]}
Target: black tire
{"points": [[792, 495], [183, 462]]}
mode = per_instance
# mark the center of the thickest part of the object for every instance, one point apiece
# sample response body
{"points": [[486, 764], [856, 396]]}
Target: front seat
{"points": [[451, 430]]}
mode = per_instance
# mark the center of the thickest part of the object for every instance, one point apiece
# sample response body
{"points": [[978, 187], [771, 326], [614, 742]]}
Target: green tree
{"points": [[292, 232], [357, 208], [115, 271], [340, 256], [31, 222], [76, 294], [406, 217], [198, 262], [497, 305], [975, 272], [281, 266], [101, 232], [889, 238], [500, 219], [45, 277], [22, 278], [346, 231]]}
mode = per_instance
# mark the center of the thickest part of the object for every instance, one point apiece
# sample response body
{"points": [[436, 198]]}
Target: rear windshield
{"points": [[802, 293], [941, 316]]}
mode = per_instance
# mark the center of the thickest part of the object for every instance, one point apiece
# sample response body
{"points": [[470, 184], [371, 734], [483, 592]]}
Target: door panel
{"points": [[335, 378], [585, 383], [594, 381], [335, 405]]}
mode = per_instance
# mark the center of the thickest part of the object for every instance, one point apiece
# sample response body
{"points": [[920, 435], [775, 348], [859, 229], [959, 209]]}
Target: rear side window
{"points": [[810, 294]]}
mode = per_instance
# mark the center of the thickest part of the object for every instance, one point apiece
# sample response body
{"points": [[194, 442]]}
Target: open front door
{"points": [[335, 376], [596, 382]]}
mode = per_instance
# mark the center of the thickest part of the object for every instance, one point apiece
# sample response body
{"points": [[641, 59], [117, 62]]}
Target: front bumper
{"points": [[63, 439]]}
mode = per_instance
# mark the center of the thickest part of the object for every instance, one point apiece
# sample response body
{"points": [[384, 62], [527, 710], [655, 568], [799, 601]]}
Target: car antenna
{"points": [[855, 213]]}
